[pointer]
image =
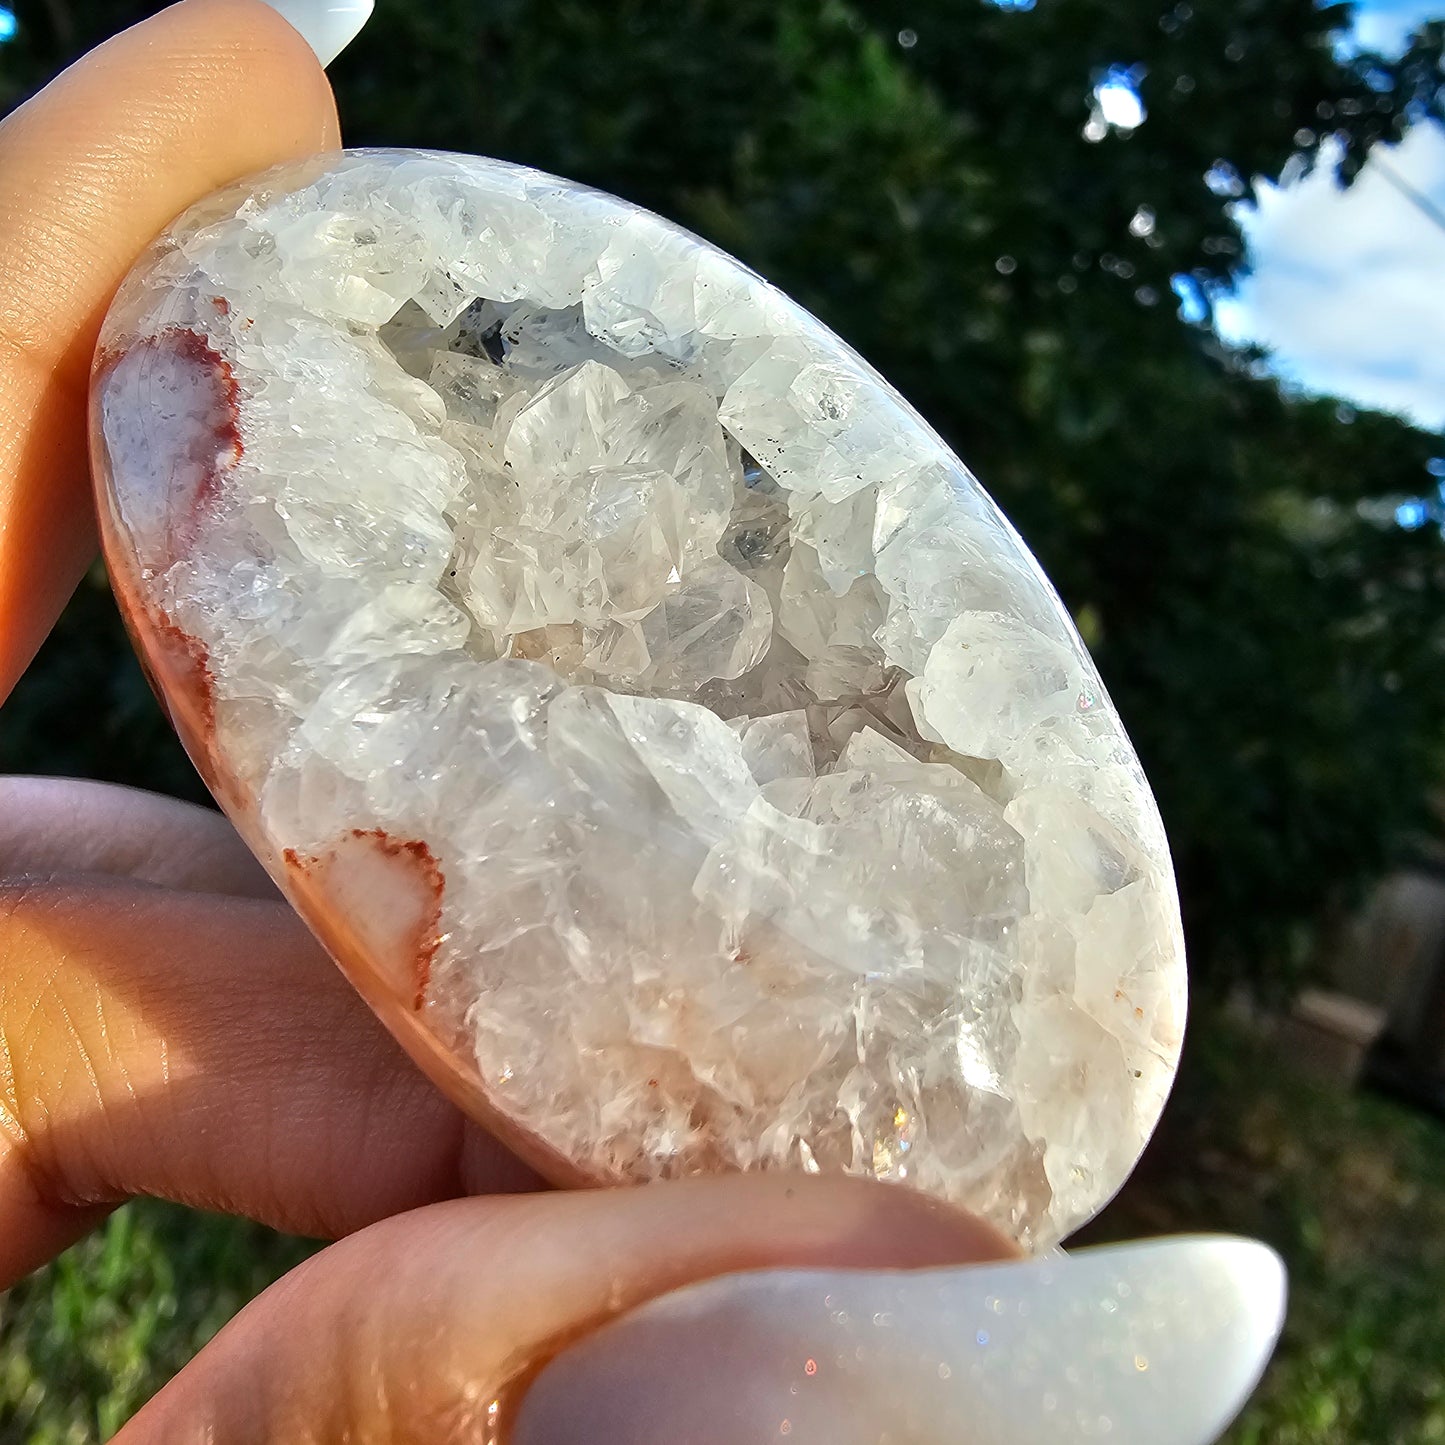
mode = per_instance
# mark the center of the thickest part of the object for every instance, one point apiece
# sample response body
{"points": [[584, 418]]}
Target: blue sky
{"points": [[1385, 25], [1347, 288]]}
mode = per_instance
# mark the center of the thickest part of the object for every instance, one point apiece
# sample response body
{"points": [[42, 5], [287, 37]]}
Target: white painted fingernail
{"points": [[327, 26], [1154, 1343]]}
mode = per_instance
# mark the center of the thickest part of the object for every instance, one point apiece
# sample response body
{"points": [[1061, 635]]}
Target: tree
{"points": [[938, 182]]}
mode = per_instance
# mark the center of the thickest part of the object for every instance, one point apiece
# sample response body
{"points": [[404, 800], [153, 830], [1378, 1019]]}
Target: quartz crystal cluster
{"points": [[662, 727]]}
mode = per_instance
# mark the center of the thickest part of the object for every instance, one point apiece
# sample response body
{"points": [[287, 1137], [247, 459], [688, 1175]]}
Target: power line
{"points": [[1411, 193]]}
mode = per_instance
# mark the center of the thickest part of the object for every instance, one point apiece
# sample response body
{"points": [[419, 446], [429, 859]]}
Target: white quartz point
{"points": [[1156, 1343], [659, 724]]}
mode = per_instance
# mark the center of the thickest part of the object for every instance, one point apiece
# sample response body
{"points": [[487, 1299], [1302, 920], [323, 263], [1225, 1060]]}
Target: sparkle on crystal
{"points": [[783, 818]]}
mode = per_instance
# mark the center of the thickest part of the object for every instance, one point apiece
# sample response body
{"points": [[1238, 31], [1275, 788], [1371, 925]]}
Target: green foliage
{"points": [[84, 1343], [1271, 642]]}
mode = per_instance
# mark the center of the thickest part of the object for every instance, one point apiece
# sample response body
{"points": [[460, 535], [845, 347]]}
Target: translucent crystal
{"points": [[661, 727]]}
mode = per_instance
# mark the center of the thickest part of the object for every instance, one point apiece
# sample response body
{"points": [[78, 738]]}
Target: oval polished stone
{"points": [[659, 725]]}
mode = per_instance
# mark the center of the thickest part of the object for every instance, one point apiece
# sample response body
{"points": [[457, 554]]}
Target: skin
{"points": [[167, 1027]]}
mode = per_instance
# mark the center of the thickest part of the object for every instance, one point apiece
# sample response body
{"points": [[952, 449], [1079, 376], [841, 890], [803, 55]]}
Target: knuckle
{"points": [[27, 896], [31, 1043]]}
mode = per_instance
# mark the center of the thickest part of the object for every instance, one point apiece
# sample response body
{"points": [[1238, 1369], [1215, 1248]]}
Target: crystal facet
{"points": [[657, 722]]}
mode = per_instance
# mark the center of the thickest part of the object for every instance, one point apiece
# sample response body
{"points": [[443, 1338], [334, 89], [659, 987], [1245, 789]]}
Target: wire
{"points": [[1422, 202]]}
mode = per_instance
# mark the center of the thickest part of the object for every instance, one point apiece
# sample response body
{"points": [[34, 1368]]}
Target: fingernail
{"points": [[1153, 1343], [327, 26]]}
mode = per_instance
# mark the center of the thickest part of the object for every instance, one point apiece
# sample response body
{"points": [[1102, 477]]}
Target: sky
{"points": [[1347, 288], [1385, 25]]}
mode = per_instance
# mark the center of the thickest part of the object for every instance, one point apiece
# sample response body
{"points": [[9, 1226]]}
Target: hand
{"points": [[167, 1027]]}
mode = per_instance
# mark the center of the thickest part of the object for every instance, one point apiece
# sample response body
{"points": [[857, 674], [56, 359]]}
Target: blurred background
{"points": [[1171, 278]]}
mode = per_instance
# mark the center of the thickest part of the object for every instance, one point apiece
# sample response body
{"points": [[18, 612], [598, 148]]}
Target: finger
{"points": [[730, 1311], [203, 1049], [91, 170], [60, 825], [409, 1331]]}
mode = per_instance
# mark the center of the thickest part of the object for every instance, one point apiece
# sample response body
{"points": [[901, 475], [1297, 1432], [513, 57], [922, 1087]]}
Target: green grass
{"points": [[1350, 1190], [84, 1343]]}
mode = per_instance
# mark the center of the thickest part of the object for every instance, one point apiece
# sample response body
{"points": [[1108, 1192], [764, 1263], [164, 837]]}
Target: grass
{"points": [[1350, 1190], [84, 1343]]}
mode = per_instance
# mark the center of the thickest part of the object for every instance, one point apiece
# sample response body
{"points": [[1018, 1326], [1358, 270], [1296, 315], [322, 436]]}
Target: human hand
{"points": [[167, 1026]]}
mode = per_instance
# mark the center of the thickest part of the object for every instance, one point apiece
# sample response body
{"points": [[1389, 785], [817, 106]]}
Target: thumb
{"points": [[847, 1313], [409, 1330], [91, 170]]}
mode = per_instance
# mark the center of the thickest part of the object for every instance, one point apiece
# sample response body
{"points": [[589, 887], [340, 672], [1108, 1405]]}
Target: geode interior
{"points": [[656, 720]]}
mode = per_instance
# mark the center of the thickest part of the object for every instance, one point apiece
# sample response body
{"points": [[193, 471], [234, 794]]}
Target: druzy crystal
{"points": [[658, 723]]}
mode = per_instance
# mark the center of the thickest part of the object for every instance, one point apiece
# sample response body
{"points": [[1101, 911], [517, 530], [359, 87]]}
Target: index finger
{"points": [[91, 170]]}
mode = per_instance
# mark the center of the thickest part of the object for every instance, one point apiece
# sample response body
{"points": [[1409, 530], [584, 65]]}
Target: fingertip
{"points": [[219, 88], [1157, 1340], [259, 44]]}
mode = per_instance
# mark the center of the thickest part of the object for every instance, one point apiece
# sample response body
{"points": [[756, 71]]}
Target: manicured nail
{"points": [[1154, 1343], [327, 26]]}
